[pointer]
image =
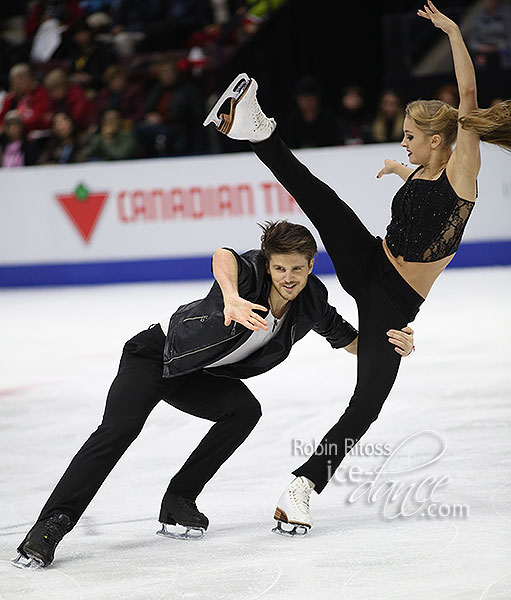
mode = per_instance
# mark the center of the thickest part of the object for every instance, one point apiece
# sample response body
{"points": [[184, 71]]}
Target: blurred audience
{"points": [[68, 97], [173, 114], [29, 99], [63, 146], [387, 126], [354, 122], [311, 125], [120, 93], [47, 39], [448, 94], [68, 12], [89, 57], [104, 98], [490, 38], [163, 25], [113, 141], [15, 149]]}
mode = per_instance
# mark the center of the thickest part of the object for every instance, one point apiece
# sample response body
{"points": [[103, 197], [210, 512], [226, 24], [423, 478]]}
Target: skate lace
{"points": [[258, 117], [53, 532], [300, 496]]}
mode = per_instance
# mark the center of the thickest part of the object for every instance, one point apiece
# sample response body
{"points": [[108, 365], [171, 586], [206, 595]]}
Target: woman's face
{"points": [[62, 126], [416, 143]]}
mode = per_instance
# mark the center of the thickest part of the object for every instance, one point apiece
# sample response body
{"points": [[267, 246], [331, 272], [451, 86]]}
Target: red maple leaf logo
{"points": [[83, 208]]}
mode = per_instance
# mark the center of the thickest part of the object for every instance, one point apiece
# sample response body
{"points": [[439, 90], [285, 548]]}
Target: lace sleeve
{"points": [[449, 238]]}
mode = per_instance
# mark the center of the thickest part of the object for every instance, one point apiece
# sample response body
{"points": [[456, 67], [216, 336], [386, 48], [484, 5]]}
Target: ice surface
{"points": [[60, 350]]}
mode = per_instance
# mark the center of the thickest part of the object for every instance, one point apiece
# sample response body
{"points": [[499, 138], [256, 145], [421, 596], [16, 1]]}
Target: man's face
{"points": [[289, 273]]}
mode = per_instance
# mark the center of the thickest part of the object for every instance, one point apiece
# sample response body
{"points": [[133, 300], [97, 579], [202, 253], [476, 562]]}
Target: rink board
{"points": [[156, 220]]}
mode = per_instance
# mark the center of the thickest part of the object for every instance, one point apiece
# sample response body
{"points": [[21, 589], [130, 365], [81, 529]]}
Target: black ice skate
{"points": [[176, 510], [38, 548]]}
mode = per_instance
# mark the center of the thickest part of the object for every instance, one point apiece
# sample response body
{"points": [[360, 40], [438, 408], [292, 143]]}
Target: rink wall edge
{"points": [[470, 254]]}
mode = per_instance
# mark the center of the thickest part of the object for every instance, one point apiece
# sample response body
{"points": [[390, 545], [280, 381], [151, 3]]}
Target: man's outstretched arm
{"points": [[225, 271]]}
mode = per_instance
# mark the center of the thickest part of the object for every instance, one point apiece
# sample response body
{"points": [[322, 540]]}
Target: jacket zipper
{"points": [[202, 318], [293, 331], [167, 362]]}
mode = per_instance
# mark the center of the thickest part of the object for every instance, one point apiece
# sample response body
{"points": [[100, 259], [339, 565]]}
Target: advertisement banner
{"points": [[165, 217]]}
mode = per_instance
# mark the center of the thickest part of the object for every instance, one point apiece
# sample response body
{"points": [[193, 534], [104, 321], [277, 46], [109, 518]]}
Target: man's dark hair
{"points": [[283, 237]]}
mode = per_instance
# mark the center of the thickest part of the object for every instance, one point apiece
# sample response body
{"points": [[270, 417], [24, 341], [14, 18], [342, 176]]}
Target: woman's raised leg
{"points": [[346, 239]]}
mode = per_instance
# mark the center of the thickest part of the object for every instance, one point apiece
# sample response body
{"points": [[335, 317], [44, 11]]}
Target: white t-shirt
{"points": [[256, 340], [165, 325]]}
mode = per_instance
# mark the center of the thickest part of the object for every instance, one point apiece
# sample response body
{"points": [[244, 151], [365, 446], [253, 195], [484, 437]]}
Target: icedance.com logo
{"points": [[403, 483]]}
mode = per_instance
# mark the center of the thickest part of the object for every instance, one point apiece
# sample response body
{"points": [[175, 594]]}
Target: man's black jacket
{"points": [[197, 336]]}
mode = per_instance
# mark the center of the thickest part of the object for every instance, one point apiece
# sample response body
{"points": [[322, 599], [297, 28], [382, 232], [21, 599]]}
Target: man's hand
{"points": [[403, 340], [242, 311]]}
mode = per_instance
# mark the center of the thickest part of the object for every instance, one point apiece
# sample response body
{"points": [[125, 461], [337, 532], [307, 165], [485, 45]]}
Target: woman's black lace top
{"points": [[428, 220]]}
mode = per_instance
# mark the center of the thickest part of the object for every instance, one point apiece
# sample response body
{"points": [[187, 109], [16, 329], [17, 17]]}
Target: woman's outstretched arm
{"points": [[465, 160], [463, 66], [396, 168]]}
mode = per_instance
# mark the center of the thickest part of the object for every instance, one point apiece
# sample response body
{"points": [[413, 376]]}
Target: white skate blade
{"points": [[296, 531], [27, 563], [235, 90], [182, 532]]}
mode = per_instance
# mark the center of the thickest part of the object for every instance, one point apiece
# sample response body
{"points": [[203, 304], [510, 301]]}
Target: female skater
{"points": [[389, 279]]}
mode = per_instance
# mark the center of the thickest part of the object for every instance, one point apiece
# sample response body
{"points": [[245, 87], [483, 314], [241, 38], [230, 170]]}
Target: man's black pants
{"points": [[384, 301], [135, 391]]}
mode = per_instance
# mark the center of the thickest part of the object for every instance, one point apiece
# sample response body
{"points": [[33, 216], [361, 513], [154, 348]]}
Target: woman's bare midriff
{"points": [[419, 275]]}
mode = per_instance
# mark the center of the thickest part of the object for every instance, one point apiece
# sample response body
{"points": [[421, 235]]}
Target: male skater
{"points": [[195, 363]]}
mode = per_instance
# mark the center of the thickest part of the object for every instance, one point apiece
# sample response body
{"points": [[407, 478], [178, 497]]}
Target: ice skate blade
{"points": [[27, 563], [297, 531], [236, 90], [190, 533]]}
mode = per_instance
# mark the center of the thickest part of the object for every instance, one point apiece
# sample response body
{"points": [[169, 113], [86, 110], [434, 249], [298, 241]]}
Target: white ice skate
{"points": [[245, 119], [293, 508]]}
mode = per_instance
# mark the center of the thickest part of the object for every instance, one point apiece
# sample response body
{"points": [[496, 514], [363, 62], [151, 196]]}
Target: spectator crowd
{"points": [[119, 79]]}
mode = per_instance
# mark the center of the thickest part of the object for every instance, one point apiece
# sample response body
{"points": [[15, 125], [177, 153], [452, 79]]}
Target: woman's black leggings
{"points": [[135, 391], [384, 301]]}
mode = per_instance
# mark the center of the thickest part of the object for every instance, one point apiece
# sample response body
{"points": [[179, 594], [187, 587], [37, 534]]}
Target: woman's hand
{"points": [[437, 18], [389, 168], [393, 167], [402, 340], [242, 311]]}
